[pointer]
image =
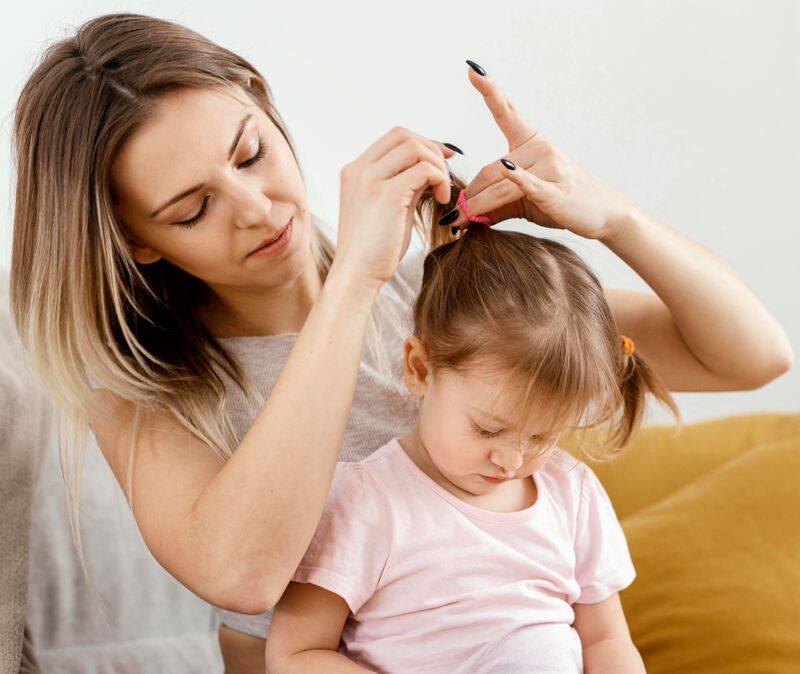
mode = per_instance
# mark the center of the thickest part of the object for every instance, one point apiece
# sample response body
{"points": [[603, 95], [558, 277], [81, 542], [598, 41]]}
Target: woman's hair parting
{"points": [[531, 308]]}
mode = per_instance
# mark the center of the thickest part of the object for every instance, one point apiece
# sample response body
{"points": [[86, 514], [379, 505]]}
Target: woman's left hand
{"points": [[547, 187]]}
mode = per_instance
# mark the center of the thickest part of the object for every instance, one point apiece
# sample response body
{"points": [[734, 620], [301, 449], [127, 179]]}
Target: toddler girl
{"points": [[473, 543]]}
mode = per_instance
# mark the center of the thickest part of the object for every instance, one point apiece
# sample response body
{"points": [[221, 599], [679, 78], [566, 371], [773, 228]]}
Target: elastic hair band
{"points": [[462, 202], [627, 344]]}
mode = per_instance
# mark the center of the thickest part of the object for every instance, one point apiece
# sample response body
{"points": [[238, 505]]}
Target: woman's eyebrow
{"points": [[191, 190]]}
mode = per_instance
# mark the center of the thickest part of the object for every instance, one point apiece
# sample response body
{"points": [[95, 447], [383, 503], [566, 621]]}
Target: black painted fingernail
{"points": [[510, 165], [449, 217], [476, 67], [454, 148], [453, 230]]}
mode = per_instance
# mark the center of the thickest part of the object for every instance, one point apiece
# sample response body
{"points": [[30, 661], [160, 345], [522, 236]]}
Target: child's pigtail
{"points": [[637, 378]]}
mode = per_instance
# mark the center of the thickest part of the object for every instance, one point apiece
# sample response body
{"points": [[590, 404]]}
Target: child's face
{"points": [[465, 427]]}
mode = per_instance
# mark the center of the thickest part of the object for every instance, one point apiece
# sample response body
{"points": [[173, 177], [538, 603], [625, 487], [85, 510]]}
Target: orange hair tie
{"points": [[627, 344]]}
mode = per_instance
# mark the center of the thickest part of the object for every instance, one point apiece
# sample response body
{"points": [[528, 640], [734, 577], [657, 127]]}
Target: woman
{"points": [[176, 294]]}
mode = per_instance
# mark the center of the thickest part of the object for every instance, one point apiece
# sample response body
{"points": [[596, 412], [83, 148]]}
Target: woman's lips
{"points": [[277, 245]]}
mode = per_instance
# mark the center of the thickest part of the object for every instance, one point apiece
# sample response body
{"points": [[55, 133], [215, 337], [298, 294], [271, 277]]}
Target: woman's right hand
{"points": [[379, 193]]}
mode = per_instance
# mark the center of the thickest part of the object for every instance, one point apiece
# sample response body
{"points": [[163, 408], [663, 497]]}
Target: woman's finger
{"points": [[492, 198], [516, 129], [542, 194], [418, 177], [500, 200], [532, 186], [394, 137], [406, 155], [530, 153]]}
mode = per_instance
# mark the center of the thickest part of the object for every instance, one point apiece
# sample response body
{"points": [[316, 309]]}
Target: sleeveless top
{"points": [[382, 407]]}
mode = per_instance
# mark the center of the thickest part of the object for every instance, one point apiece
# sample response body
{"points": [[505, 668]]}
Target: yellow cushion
{"points": [[718, 569], [659, 460]]}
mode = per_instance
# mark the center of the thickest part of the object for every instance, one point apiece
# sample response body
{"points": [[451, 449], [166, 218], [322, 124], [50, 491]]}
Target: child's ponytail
{"points": [[535, 308], [637, 378]]}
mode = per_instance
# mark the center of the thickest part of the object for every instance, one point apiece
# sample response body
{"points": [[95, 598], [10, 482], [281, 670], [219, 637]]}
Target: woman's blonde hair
{"points": [[532, 308], [84, 309]]}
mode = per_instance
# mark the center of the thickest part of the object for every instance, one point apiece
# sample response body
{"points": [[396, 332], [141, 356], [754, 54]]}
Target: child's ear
{"points": [[416, 366]]}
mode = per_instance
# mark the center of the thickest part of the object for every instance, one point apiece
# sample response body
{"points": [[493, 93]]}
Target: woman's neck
{"points": [[233, 312]]}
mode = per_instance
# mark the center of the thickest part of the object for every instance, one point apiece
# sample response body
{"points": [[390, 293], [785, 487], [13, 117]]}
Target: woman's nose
{"points": [[249, 204]]}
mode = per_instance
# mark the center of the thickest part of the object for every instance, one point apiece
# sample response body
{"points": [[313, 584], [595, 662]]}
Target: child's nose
{"points": [[508, 460]]}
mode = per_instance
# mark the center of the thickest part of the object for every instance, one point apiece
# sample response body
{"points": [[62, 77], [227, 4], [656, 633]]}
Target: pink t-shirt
{"points": [[435, 584]]}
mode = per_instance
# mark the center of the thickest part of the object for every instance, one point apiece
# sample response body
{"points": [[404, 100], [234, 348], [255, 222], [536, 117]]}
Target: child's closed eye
{"points": [[486, 433]]}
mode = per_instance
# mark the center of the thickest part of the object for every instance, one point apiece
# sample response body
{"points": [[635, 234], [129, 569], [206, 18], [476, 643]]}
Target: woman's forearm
{"points": [[612, 656], [318, 661], [263, 506], [723, 323]]}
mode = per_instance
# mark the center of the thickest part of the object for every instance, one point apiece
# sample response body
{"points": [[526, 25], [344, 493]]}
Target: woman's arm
{"points": [[704, 329], [234, 532], [305, 632], [605, 638]]}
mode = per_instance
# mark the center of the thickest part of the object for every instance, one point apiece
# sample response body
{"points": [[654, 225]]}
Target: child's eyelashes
{"points": [[257, 157], [484, 432], [534, 439]]}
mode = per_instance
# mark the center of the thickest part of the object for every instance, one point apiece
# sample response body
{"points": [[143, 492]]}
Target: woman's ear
{"points": [[141, 253], [416, 366]]}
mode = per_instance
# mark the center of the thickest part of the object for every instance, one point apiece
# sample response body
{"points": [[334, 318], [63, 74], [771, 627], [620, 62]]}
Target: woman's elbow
{"points": [[248, 595], [778, 365]]}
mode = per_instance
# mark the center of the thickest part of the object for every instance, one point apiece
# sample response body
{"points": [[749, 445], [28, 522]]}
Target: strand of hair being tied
{"points": [[533, 309]]}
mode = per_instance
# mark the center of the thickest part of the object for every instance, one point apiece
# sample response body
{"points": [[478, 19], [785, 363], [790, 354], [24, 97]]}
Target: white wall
{"points": [[690, 108]]}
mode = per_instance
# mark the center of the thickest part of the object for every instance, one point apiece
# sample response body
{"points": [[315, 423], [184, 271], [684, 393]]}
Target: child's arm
{"points": [[606, 640], [305, 632]]}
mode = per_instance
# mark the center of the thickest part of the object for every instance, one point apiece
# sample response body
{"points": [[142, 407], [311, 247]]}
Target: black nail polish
{"points": [[476, 67], [449, 217], [510, 165], [454, 148], [453, 230]]}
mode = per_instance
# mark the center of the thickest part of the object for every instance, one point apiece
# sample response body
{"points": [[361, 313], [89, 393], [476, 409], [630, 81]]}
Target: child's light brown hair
{"points": [[531, 308]]}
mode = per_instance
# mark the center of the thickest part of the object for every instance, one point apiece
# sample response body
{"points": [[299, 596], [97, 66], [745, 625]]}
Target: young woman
{"points": [[176, 294]]}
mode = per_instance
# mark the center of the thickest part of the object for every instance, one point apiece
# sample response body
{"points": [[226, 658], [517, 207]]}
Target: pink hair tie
{"points": [[462, 202]]}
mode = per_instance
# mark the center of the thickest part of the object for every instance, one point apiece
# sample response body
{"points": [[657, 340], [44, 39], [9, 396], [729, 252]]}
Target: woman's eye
{"points": [[197, 218], [257, 157]]}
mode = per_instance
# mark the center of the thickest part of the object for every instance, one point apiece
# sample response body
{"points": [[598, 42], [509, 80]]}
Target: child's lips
{"points": [[495, 480]]}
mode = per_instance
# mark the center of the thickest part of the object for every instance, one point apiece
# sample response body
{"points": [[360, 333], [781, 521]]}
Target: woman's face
{"points": [[214, 141]]}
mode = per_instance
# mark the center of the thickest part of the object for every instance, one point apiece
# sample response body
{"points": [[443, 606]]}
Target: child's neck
{"points": [[507, 497]]}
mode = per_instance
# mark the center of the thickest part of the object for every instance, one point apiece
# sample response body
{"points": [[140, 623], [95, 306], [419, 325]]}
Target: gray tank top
{"points": [[382, 407]]}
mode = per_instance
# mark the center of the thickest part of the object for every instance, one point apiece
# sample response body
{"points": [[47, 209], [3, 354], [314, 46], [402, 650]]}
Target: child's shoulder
{"points": [[565, 475], [363, 480], [565, 466]]}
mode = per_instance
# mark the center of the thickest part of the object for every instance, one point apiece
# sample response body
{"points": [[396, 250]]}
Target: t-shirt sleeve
{"points": [[603, 564], [351, 545]]}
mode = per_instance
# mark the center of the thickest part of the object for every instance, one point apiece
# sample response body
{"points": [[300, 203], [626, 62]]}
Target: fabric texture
{"points": [[711, 516], [24, 425], [141, 620], [719, 564], [388, 531], [382, 408]]}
